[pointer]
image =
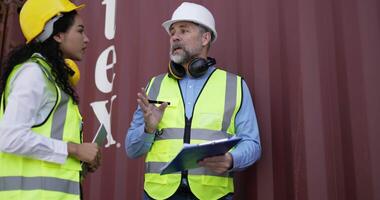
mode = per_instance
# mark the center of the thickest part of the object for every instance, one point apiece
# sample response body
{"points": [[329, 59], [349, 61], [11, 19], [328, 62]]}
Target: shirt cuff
{"points": [[235, 162], [148, 137], [60, 154]]}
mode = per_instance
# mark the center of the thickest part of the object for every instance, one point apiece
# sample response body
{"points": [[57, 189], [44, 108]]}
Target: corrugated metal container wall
{"points": [[311, 65], [10, 33]]}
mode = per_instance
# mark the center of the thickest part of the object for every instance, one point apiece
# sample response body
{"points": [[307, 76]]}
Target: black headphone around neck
{"points": [[197, 68]]}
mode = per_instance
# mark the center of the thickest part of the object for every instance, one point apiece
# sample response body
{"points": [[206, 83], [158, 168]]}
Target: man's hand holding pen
{"points": [[152, 113]]}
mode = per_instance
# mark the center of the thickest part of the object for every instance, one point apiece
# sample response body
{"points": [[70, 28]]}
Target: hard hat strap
{"points": [[48, 29]]}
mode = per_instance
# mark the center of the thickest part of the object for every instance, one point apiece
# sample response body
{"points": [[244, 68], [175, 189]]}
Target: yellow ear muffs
{"points": [[74, 78]]}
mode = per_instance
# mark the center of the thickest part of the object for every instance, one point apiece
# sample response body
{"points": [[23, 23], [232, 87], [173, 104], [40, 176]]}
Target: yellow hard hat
{"points": [[36, 13], [74, 79]]}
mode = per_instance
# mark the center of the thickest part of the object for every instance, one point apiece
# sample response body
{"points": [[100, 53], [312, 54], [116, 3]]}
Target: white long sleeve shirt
{"points": [[29, 103]]}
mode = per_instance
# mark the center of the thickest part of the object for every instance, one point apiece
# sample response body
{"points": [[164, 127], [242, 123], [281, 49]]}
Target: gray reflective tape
{"points": [[170, 134], [39, 183], [196, 134], [230, 100], [202, 134], [156, 168], [59, 117], [155, 87]]}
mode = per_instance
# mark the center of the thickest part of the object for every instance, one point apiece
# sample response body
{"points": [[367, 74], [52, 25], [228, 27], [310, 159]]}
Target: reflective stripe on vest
{"points": [[210, 122], [39, 183], [26, 178], [155, 87], [156, 167], [59, 117], [230, 100], [196, 134]]}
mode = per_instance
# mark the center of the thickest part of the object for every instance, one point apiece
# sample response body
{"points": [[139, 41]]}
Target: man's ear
{"points": [[59, 37], [206, 38]]}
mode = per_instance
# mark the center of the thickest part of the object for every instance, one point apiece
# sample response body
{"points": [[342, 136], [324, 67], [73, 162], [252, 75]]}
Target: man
{"points": [[201, 103]]}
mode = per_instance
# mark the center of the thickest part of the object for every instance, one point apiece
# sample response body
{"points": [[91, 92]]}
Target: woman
{"points": [[40, 124]]}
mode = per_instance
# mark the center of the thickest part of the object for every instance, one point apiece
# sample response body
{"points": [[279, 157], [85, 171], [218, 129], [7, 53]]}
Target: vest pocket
{"points": [[155, 178], [155, 160], [215, 181]]}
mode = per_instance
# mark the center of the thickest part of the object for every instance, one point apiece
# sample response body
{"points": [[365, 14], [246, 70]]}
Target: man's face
{"points": [[185, 42]]}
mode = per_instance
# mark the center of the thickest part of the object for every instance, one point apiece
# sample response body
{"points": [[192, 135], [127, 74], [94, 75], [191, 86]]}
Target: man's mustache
{"points": [[176, 46]]}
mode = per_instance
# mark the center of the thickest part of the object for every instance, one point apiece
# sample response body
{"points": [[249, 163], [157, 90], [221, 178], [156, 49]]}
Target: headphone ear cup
{"points": [[176, 70], [211, 61], [198, 67]]}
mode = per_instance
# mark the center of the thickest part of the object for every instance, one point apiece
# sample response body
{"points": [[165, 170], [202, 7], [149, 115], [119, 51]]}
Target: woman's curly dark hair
{"points": [[50, 50]]}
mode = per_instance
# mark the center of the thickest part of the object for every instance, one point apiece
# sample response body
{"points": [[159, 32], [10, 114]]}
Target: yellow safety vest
{"points": [[24, 178], [213, 118]]}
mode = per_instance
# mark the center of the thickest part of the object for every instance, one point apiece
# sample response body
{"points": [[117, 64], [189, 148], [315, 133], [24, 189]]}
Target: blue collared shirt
{"points": [[138, 143]]}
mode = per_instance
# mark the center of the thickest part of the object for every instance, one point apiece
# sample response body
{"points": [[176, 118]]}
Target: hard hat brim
{"points": [[80, 7], [167, 24], [68, 9]]}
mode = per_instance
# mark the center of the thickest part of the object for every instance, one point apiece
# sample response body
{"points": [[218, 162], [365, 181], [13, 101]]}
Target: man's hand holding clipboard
{"points": [[212, 155]]}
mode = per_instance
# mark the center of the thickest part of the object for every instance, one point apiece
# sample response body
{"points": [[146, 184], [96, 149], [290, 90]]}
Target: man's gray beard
{"points": [[181, 58], [186, 55]]}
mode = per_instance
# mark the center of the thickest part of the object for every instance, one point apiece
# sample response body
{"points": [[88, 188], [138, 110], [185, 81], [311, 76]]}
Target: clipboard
{"points": [[190, 154], [99, 139], [100, 136]]}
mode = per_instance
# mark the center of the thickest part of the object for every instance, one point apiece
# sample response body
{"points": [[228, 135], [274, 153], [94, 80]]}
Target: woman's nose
{"points": [[86, 39]]}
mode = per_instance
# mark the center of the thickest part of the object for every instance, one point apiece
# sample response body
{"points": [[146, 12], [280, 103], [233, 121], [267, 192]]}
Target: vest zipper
{"points": [[186, 139]]}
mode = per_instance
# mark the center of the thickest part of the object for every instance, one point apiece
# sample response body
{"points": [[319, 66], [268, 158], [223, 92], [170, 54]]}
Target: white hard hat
{"points": [[194, 13]]}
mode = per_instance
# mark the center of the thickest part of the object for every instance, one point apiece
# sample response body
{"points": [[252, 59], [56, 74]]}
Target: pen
{"points": [[157, 102]]}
